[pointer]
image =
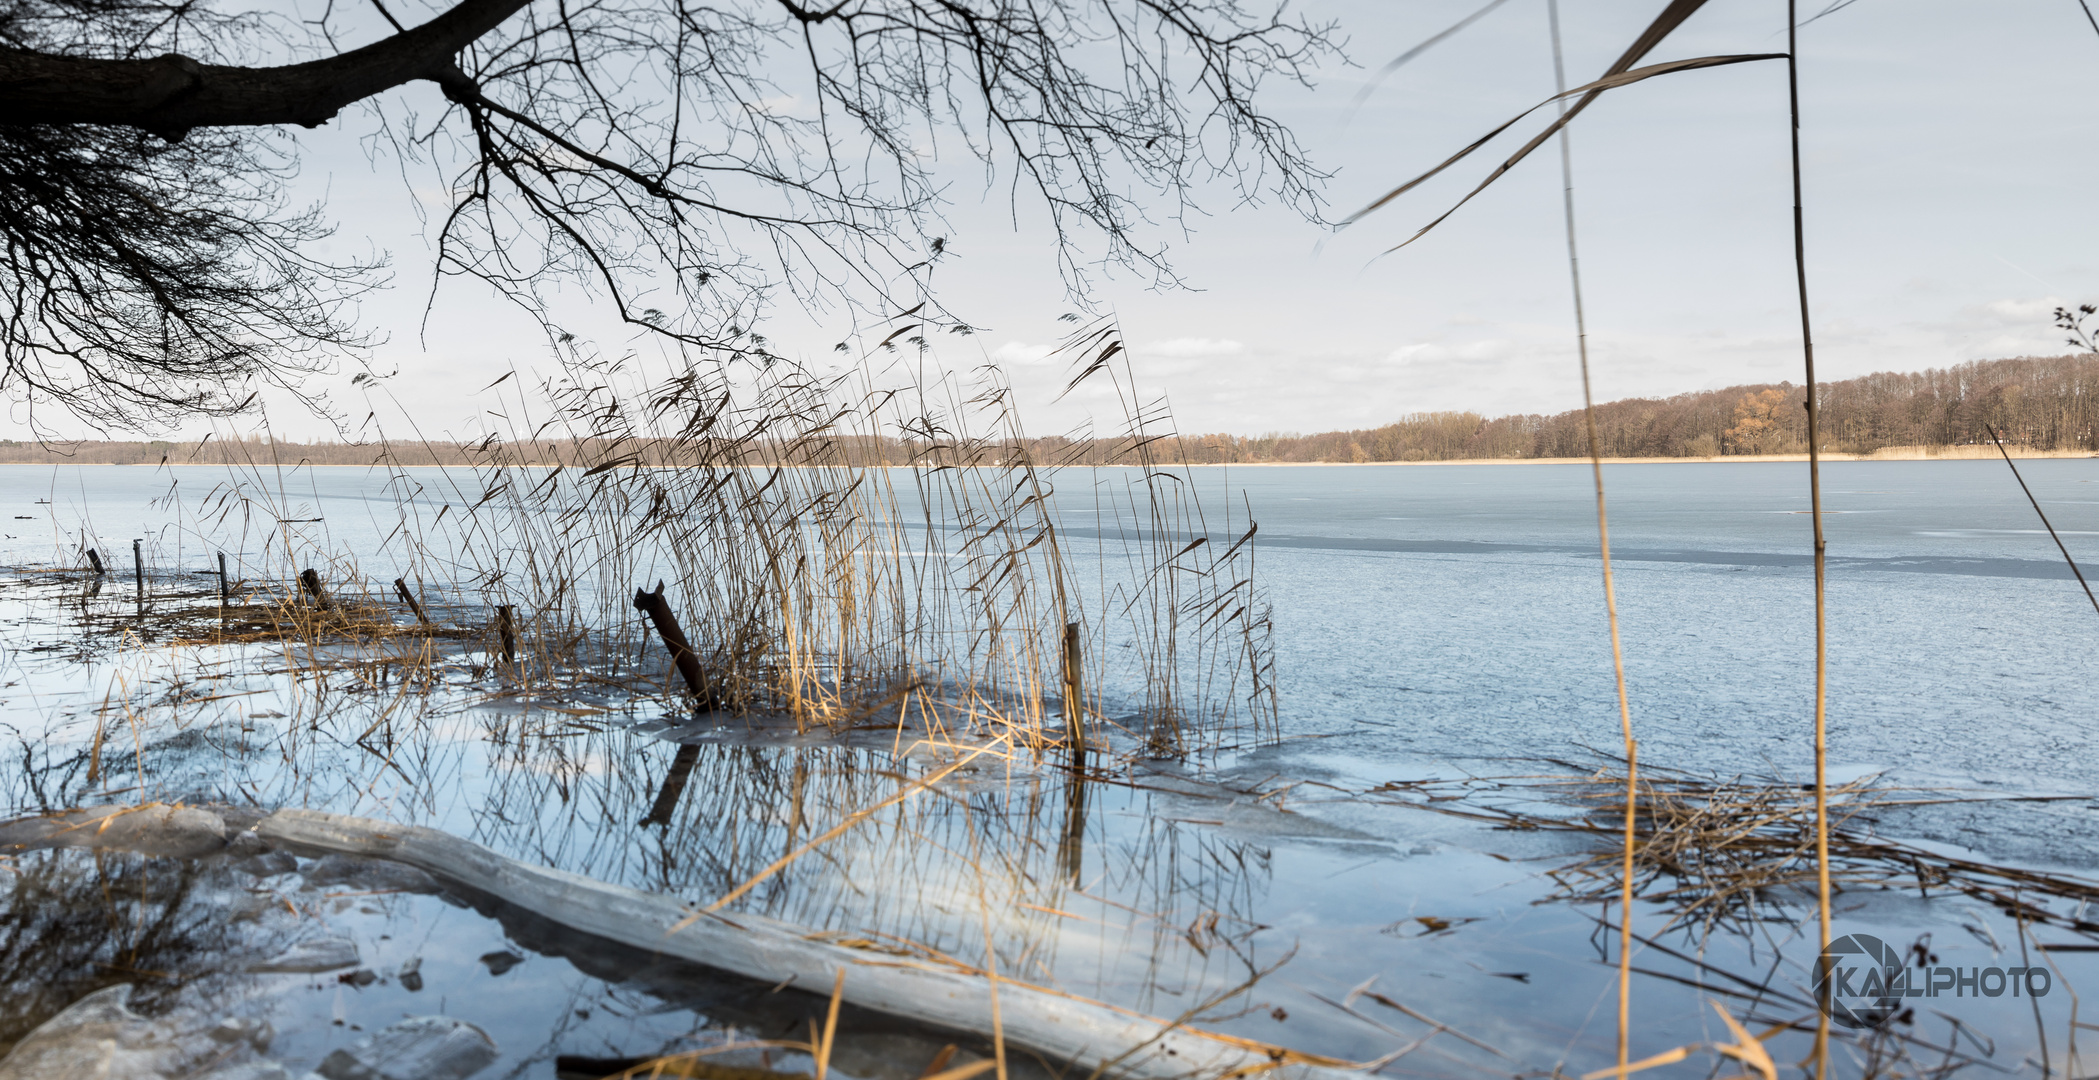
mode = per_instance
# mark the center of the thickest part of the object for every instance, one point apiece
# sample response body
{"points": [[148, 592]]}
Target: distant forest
{"points": [[2036, 403], [2046, 404]]}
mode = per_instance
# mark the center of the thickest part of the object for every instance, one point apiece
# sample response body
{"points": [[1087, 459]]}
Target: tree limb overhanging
{"points": [[169, 95], [689, 163]]}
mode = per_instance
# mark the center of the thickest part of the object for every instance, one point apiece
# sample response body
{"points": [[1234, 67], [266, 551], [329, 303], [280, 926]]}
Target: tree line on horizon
{"points": [[2035, 403]]}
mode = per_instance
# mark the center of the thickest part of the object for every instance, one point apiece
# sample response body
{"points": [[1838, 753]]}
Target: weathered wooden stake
{"points": [[506, 629], [1071, 847], [225, 587], [401, 586], [1074, 698], [94, 560], [688, 663], [138, 571], [310, 580]]}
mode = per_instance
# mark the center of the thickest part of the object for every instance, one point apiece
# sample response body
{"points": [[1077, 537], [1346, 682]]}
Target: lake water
{"points": [[1431, 621], [1454, 612], [1461, 608]]}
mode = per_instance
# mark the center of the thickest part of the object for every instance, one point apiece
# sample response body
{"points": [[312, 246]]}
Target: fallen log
{"points": [[1087, 1034]]}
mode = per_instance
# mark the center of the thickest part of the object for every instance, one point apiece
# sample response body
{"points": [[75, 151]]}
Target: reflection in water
{"points": [[74, 923], [1071, 850], [995, 856], [1037, 873], [206, 943], [673, 786], [1145, 890]]}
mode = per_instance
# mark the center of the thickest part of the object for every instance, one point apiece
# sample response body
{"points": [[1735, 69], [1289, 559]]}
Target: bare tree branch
{"points": [[689, 162], [171, 94]]}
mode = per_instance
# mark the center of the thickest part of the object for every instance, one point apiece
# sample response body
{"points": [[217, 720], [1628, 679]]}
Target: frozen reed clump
{"points": [[879, 547], [1724, 852]]}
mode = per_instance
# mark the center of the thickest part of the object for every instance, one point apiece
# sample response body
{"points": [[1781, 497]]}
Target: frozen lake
{"points": [[1455, 611], [1432, 621]]}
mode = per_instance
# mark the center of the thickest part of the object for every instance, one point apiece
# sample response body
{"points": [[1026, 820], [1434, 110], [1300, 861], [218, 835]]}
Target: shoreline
{"points": [[1893, 453], [1899, 453]]}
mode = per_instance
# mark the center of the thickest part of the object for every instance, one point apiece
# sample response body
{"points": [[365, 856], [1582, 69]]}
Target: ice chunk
{"points": [[312, 955], [183, 832], [95, 1038], [236, 1029], [269, 864], [419, 1048], [254, 1070], [367, 875]]}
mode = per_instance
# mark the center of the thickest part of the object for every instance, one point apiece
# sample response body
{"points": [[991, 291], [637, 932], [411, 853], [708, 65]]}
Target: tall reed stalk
{"points": [[1603, 543], [1814, 481]]}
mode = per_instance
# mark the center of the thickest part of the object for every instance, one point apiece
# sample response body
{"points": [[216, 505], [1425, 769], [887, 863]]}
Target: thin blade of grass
{"points": [[2044, 517], [1747, 1048], [1666, 1057], [823, 1045], [1590, 90]]}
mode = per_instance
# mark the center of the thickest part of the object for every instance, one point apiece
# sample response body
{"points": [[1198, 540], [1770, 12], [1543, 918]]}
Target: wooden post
{"points": [[1074, 698], [506, 629], [401, 586], [94, 560], [138, 572], [1071, 847], [225, 586], [659, 612], [310, 580]]}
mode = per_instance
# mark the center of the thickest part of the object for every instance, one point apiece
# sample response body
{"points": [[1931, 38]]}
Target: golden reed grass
{"points": [[882, 540]]}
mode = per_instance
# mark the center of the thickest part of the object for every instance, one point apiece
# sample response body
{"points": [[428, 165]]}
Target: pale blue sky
{"points": [[1950, 151]]}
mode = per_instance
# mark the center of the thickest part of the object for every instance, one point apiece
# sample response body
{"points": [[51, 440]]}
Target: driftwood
{"points": [[1057, 1026]]}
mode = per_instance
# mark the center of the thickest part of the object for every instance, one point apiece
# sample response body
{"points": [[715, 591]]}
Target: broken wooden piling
{"points": [[506, 631], [310, 580], [659, 612], [138, 572], [94, 560], [407, 597], [1074, 698]]}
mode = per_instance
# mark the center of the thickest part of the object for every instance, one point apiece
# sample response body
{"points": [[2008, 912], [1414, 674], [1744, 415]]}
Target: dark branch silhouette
{"points": [[690, 164]]}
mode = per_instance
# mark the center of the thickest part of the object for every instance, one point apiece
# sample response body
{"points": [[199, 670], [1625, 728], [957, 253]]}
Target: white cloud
{"points": [[1022, 354], [2020, 313], [1190, 347], [1488, 349], [1424, 351]]}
